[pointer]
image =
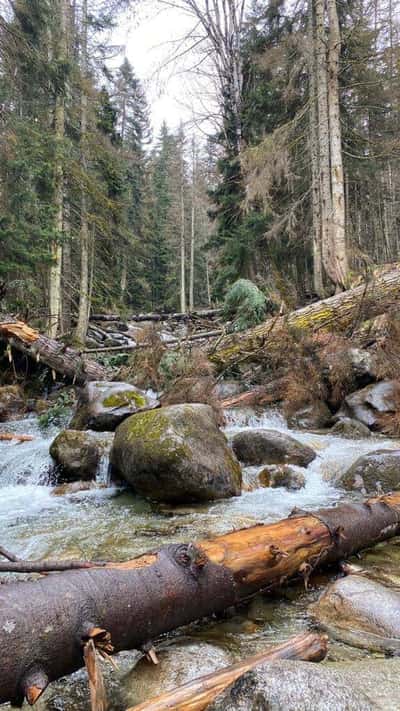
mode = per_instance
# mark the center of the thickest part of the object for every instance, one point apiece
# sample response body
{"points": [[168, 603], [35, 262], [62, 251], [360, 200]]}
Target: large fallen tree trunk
{"points": [[44, 625], [66, 361], [196, 695], [337, 313]]}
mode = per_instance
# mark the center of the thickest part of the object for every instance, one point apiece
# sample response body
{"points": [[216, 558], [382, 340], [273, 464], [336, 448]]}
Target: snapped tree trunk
{"points": [[64, 360], [198, 694], [127, 605], [338, 313]]}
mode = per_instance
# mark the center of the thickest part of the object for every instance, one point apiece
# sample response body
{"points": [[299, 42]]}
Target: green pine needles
{"points": [[245, 304]]}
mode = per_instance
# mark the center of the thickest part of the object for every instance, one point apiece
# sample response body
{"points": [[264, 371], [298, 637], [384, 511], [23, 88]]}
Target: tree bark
{"points": [[338, 222], [64, 360], [55, 292], [126, 605], [338, 313], [84, 305], [198, 694]]}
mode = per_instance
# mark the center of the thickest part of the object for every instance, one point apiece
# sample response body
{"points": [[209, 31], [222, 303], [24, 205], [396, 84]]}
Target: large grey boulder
{"points": [[373, 472], [367, 404], [302, 686], [102, 405], [270, 447], [360, 612], [78, 454], [177, 454]]}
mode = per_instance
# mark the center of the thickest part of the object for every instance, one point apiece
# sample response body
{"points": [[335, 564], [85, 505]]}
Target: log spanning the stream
{"points": [[337, 313], [45, 624], [67, 361]]}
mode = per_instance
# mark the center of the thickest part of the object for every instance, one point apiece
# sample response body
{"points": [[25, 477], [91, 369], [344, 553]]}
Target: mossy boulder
{"points": [[12, 402], [102, 406], [78, 454], [374, 472], [270, 447], [176, 454]]}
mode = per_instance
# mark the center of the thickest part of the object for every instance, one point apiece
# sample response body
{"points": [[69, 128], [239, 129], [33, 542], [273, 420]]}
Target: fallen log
{"points": [[338, 313], [204, 335], [66, 361], [132, 603], [155, 317], [10, 436], [196, 695]]}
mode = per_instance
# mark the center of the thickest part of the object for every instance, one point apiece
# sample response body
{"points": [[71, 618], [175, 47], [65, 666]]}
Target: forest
{"points": [[199, 355]]}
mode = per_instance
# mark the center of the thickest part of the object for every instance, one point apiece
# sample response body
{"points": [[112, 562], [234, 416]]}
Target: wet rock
{"points": [[314, 416], [374, 472], [270, 447], [360, 612], [12, 402], [302, 686], [102, 406], [78, 454], [367, 404], [176, 454], [350, 429], [74, 487], [179, 664], [283, 475]]}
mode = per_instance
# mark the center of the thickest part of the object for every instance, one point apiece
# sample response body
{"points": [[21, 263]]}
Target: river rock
{"points": [[12, 402], [282, 475], [314, 416], [102, 406], [78, 454], [176, 454], [301, 686], [360, 612], [374, 472], [367, 404], [179, 664], [270, 447], [350, 429]]}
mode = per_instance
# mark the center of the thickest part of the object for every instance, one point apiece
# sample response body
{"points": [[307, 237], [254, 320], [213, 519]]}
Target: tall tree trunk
{"points": [[55, 291], [339, 250], [324, 143], [84, 306], [314, 152], [192, 228], [182, 240]]}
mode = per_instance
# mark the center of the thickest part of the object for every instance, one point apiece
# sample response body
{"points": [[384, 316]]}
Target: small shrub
{"points": [[245, 304], [58, 413]]}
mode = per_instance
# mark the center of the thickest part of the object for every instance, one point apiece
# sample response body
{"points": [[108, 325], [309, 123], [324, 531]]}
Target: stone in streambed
{"points": [[302, 686], [102, 405], [367, 404], [176, 454], [360, 612], [270, 447], [78, 454], [314, 416], [12, 402], [373, 472], [350, 429], [282, 475]]}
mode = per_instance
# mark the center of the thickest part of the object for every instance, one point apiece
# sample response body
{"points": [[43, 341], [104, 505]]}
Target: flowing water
{"points": [[113, 524]]}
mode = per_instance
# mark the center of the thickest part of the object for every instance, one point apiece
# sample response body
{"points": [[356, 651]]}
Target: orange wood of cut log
{"points": [[19, 329], [196, 695], [10, 436]]}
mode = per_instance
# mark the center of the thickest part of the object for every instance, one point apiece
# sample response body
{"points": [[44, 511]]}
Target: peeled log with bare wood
{"points": [[196, 695], [132, 603], [337, 313], [66, 361]]}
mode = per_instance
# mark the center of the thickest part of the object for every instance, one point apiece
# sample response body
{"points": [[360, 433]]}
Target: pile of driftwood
{"points": [[118, 606]]}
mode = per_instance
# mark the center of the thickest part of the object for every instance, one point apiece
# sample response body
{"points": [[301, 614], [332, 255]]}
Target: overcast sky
{"points": [[150, 37]]}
